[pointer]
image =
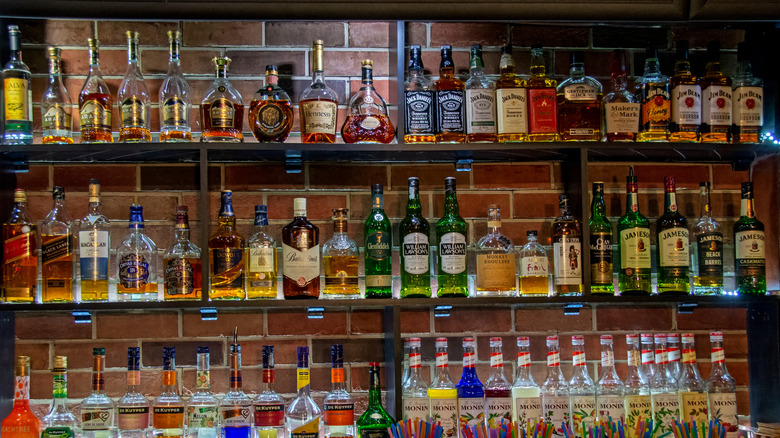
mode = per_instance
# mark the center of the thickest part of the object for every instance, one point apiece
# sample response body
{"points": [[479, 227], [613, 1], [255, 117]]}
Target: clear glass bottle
{"points": [[136, 260], [95, 102], [692, 388], [227, 247], [202, 407], [235, 408], [534, 268], [450, 102], [168, 407], [56, 105], [653, 95], [610, 391], [97, 410], [567, 251], [579, 113], [747, 100], [175, 97], [261, 259], [407, 371], [542, 103], [451, 235], [21, 422], [480, 101], [58, 252], [471, 392], [378, 248], [60, 422], [442, 393], [17, 93], [601, 264], [498, 398], [133, 97], [414, 233], [673, 344], [301, 253], [222, 108], [672, 240], [181, 263], [721, 388], [375, 421], [648, 367], [338, 406], [94, 248], [416, 404], [634, 276], [526, 394], [686, 99], [707, 249], [132, 409], [318, 103], [555, 390], [511, 101], [663, 388], [303, 416], [269, 405], [271, 112], [638, 405], [419, 103], [496, 259], [340, 260], [716, 103], [20, 253], [367, 117], [619, 108], [581, 387], [749, 247]]}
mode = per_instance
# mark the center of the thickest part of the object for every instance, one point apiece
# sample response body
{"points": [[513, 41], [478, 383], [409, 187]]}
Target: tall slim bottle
{"points": [[567, 251], [94, 248], [168, 407], [663, 388], [450, 102], [226, 248], [20, 253], [98, 410], [672, 239], [136, 260], [21, 422], [648, 367], [443, 394], [451, 232], [378, 248], [498, 398], [415, 247], [375, 421], [269, 405], [610, 391], [638, 404], [634, 234], [56, 105], [338, 407], [416, 404], [480, 101], [132, 409], [747, 100], [301, 253], [654, 97], [692, 388], [419, 105], [542, 102], [95, 102], [60, 422], [685, 99], [235, 409], [556, 405], [707, 249], [721, 388], [133, 98], [526, 394], [303, 416], [496, 259], [202, 407], [318, 104], [511, 101], [175, 97], [471, 392], [58, 247], [581, 387], [601, 267], [17, 94], [715, 99], [261, 259], [749, 247]]}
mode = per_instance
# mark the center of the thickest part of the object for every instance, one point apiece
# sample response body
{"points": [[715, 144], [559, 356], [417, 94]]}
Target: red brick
{"points": [[535, 205], [360, 205], [261, 176], [382, 87], [248, 324], [297, 33], [713, 318], [50, 327], [596, 64], [221, 34], [285, 352], [630, 318], [318, 206], [508, 350], [353, 176], [743, 402], [38, 353], [549, 36], [355, 350], [347, 63], [698, 38], [517, 231], [723, 205], [466, 34], [735, 345], [738, 370], [59, 32], [80, 354], [431, 176], [295, 323], [113, 177], [417, 33], [36, 178], [512, 176], [367, 321], [170, 177], [359, 378], [527, 320], [415, 321], [243, 205], [147, 325], [723, 177], [112, 33], [464, 320], [471, 205], [370, 33], [650, 176]]}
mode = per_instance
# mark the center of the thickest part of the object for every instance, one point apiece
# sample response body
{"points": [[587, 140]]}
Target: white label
{"points": [[578, 358], [716, 108], [750, 245], [748, 106], [718, 355], [93, 244], [622, 117], [580, 92], [555, 410], [524, 359], [661, 357], [235, 416], [607, 359], [666, 409], [416, 408], [261, 259], [568, 262], [633, 358], [686, 105], [469, 360], [648, 357], [673, 245], [611, 406], [370, 123], [553, 358], [511, 109], [415, 360], [97, 419], [471, 411], [527, 409], [635, 248], [583, 411], [301, 266], [416, 253], [481, 111], [452, 251], [445, 410], [674, 354], [496, 360], [723, 406], [534, 266]]}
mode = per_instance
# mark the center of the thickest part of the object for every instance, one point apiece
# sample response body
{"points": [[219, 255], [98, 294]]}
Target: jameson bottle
{"points": [[269, 405], [415, 247], [451, 232], [600, 244], [721, 388], [471, 392], [634, 235], [750, 256], [707, 249], [419, 105], [567, 251], [672, 240], [378, 248]]}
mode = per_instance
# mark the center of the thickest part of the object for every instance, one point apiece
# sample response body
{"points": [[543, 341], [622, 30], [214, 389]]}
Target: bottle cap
{"points": [[58, 192], [523, 341], [373, 364], [468, 342], [415, 342], [60, 362], [673, 337], [133, 35], [414, 47], [22, 366], [99, 351], [552, 340], [747, 190], [337, 356], [647, 338], [20, 195], [507, 49], [446, 47], [659, 338], [261, 209], [174, 34], [303, 357], [632, 338], [669, 184], [606, 339], [536, 46], [271, 70], [203, 350], [377, 189], [688, 337], [531, 233], [496, 342], [93, 43], [716, 336], [268, 356], [705, 184], [441, 342], [367, 63], [134, 358], [54, 52], [299, 207]]}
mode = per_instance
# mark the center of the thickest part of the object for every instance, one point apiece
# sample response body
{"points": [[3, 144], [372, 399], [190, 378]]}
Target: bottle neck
{"points": [[747, 208], [378, 202], [94, 206], [476, 66], [538, 68], [494, 222], [303, 381], [182, 234], [94, 59], [413, 204], [469, 363], [203, 375], [236, 381], [133, 380], [608, 361], [578, 357], [60, 387], [652, 67], [712, 68], [169, 381], [577, 70], [632, 199], [744, 69], [22, 392], [367, 76], [682, 67], [374, 388], [670, 201], [706, 207], [633, 361], [619, 81], [718, 357], [269, 379], [506, 65], [554, 362], [98, 375], [222, 72], [55, 72], [337, 378], [496, 363], [442, 365], [523, 364], [598, 208], [415, 362], [451, 204]]}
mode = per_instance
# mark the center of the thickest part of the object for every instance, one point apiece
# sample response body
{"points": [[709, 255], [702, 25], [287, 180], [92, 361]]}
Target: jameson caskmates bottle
{"points": [[600, 244], [634, 238], [749, 247]]}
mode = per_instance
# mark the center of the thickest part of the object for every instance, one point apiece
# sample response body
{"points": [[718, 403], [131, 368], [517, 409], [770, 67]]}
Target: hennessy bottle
{"points": [[318, 104]]}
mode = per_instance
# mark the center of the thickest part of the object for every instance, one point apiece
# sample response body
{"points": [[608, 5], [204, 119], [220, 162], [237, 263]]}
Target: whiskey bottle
{"points": [[303, 416], [226, 248], [378, 248], [442, 392], [749, 247], [202, 408], [610, 391], [58, 255], [181, 263], [318, 103], [542, 104], [654, 97], [471, 391], [534, 268], [21, 422], [638, 404], [133, 98], [567, 251], [747, 100], [97, 410], [175, 97], [95, 102], [555, 390], [496, 259], [168, 407], [20, 253], [511, 101], [419, 105], [663, 388], [716, 99], [270, 112], [581, 387], [686, 99], [375, 421], [634, 245], [579, 113], [672, 240], [261, 259], [526, 394], [60, 422], [619, 109], [269, 405], [136, 260], [416, 404], [367, 119], [56, 104], [340, 260], [450, 111], [94, 248], [451, 232], [480, 101], [301, 253], [222, 108], [338, 406], [415, 247], [235, 409], [132, 409], [498, 399], [721, 388], [601, 278], [17, 94], [707, 252], [692, 388]]}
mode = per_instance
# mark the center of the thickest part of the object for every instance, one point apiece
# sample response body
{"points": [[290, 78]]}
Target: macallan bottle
{"points": [[58, 252], [511, 101], [620, 110], [318, 103], [181, 263], [601, 277], [451, 232], [222, 108], [716, 99], [270, 112], [20, 256], [542, 102], [227, 247], [367, 118], [55, 105], [582, 388], [414, 234], [17, 94], [747, 100], [707, 249], [721, 388], [634, 244], [567, 251], [579, 112], [338, 406], [340, 260], [21, 422], [498, 398], [685, 100], [496, 259], [168, 407], [480, 101], [269, 405], [555, 390], [419, 105], [526, 394], [133, 98], [450, 102], [175, 97], [673, 245], [94, 248], [534, 267], [654, 97], [692, 388], [261, 263], [749, 247], [301, 255], [95, 101], [442, 392]]}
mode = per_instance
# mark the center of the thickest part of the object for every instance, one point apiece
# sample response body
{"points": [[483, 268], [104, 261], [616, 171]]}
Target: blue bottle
{"points": [[471, 392]]}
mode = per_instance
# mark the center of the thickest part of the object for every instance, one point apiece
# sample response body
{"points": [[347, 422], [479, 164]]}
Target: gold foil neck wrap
{"points": [[132, 35], [174, 34], [317, 62], [367, 63], [22, 368], [340, 220], [61, 362], [20, 195], [93, 43], [54, 52]]}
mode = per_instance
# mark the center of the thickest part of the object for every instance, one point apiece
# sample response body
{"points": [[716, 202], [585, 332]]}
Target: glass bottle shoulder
{"points": [[261, 239], [133, 84], [183, 248], [221, 88], [137, 240], [579, 80], [203, 398], [97, 400], [367, 101], [479, 82], [378, 220], [95, 84], [533, 249], [495, 242], [94, 222], [340, 245], [236, 397], [303, 407], [633, 219], [706, 224], [414, 222], [176, 85], [168, 399], [619, 96], [56, 92], [269, 397], [272, 92], [337, 396], [130, 399], [318, 90], [57, 222], [417, 81]]}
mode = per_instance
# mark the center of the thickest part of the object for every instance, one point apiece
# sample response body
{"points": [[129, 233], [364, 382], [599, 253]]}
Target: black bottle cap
{"points": [[747, 190], [563, 201], [507, 49], [203, 350], [377, 189], [261, 209], [303, 357], [682, 49], [449, 183], [476, 47], [134, 358], [713, 51], [531, 233], [94, 181], [58, 192], [631, 178], [268, 356], [446, 48], [415, 48], [704, 184], [577, 57]]}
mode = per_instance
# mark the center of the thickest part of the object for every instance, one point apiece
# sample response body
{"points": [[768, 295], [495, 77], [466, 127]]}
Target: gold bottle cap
{"points": [[174, 34], [20, 195], [54, 52], [316, 61], [93, 42], [60, 361], [367, 63], [221, 61], [131, 34], [22, 366], [318, 43]]}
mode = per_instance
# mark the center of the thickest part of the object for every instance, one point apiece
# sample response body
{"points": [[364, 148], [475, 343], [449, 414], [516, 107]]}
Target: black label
{"points": [[223, 260], [419, 109], [270, 118], [56, 247], [710, 251], [449, 110], [374, 433]]}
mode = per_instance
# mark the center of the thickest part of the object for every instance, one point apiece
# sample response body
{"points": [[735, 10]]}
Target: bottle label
{"points": [[228, 262], [580, 92], [534, 266], [622, 117], [93, 115], [133, 112], [471, 411], [542, 111], [469, 360], [639, 408], [271, 415], [555, 410], [449, 110], [57, 118], [56, 248], [270, 119], [132, 418], [686, 108], [511, 110], [261, 259], [750, 257], [378, 246], [723, 406], [648, 357], [553, 358], [57, 432], [710, 254], [307, 430], [416, 253], [133, 271], [496, 271], [17, 105], [175, 112], [374, 433], [97, 419], [634, 249], [716, 108], [338, 414], [168, 417], [689, 355], [481, 111], [656, 108], [419, 112], [19, 247], [496, 360], [583, 411], [452, 250], [578, 358], [235, 416], [717, 355], [661, 357], [301, 266], [567, 258], [748, 106], [202, 379], [693, 405], [201, 417], [445, 411], [601, 258], [527, 410], [498, 410], [22, 388], [180, 276], [319, 117], [93, 254], [674, 354], [523, 359], [441, 360], [667, 409], [416, 408], [369, 123], [611, 406], [673, 246], [607, 359]]}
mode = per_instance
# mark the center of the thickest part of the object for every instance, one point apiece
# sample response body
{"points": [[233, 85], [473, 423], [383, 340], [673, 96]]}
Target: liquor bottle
{"points": [[227, 254], [97, 410], [94, 248], [60, 422], [340, 260], [168, 407], [654, 97], [95, 102], [716, 99], [419, 106], [581, 387], [367, 119], [407, 371], [20, 253], [634, 244], [686, 99], [133, 98], [451, 232], [269, 405], [416, 404], [747, 100], [579, 113], [202, 408], [181, 262], [534, 268], [673, 344], [620, 110], [318, 103], [175, 97], [721, 388], [132, 409], [302, 418], [337, 405], [496, 259], [511, 101], [443, 394], [261, 258], [56, 104], [235, 409], [58, 251], [375, 421], [555, 390], [270, 112], [610, 391], [567, 251], [480, 101], [301, 252], [663, 388], [601, 278], [674, 259], [450, 95], [21, 422], [542, 102], [17, 94], [471, 392], [749, 249], [415, 249], [638, 405], [222, 108], [692, 388], [378, 248], [707, 253], [498, 398], [648, 367], [136, 260], [526, 394]]}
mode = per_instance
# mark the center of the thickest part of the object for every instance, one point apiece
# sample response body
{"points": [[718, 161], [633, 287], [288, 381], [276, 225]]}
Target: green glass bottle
{"points": [[375, 421], [378, 248], [673, 255], [749, 247], [600, 244], [451, 232], [415, 247], [634, 235]]}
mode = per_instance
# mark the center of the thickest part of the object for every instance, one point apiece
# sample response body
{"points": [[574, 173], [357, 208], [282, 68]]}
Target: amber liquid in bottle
{"points": [[270, 112], [542, 101], [92, 132], [301, 255], [451, 127], [318, 104], [20, 260], [686, 99], [221, 131], [227, 255], [716, 99]]}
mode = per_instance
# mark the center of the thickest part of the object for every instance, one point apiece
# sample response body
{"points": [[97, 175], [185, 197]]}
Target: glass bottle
{"points": [[451, 232], [610, 391], [526, 394], [202, 407], [686, 99], [415, 248], [534, 268], [222, 108], [582, 388], [235, 418], [663, 389], [21, 422], [58, 259], [416, 404], [716, 99], [303, 416], [261, 259], [648, 367], [132, 409], [496, 259], [301, 253], [94, 248], [181, 262], [567, 251], [498, 398], [673, 344], [480, 101], [672, 239], [638, 405], [271, 112], [168, 407], [542, 102], [136, 260], [707, 249], [601, 267], [721, 388], [653, 95], [378, 248], [175, 97], [471, 392], [60, 422], [443, 394], [56, 104], [340, 260], [17, 93], [692, 388], [338, 406], [620, 110], [749, 247], [133, 98], [747, 100], [555, 390], [95, 102], [450, 101], [375, 421], [269, 405], [367, 119], [406, 370], [419, 106], [579, 113], [634, 244], [227, 254], [318, 103], [511, 101], [20, 253], [97, 410]]}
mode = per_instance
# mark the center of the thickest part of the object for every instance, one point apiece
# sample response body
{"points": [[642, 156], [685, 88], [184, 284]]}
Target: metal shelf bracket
{"points": [[572, 309], [82, 316], [442, 311], [463, 164], [686, 308], [315, 312], [292, 161], [208, 313]]}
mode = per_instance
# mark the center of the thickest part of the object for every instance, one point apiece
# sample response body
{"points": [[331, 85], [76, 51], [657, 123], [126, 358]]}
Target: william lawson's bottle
{"points": [[378, 248], [634, 235], [419, 105], [673, 254], [415, 247], [375, 420], [601, 277], [451, 232], [750, 255]]}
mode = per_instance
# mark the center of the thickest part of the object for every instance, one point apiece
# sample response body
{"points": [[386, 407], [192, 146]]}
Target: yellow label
{"points": [[318, 116], [693, 405], [310, 429], [16, 95], [303, 378], [496, 271]]}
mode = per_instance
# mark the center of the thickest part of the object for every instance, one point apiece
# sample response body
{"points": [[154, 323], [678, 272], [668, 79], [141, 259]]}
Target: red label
{"points": [[268, 376], [19, 247], [269, 415], [542, 111]]}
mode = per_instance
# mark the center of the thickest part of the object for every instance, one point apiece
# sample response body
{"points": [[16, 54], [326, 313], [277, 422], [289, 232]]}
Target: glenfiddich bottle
{"points": [[601, 277], [747, 100], [301, 254], [450, 111], [181, 262], [56, 105], [451, 232], [511, 101], [226, 247], [419, 105], [634, 234], [716, 99], [707, 249], [672, 241], [367, 119], [378, 248], [95, 101], [542, 105], [480, 101], [58, 251], [222, 108], [16, 94], [749, 247], [175, 97], [686, 99], [579, 96], [270, 112], [133, 98], [415, 247], [318, 103], [567, 251], [654, 98]]}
